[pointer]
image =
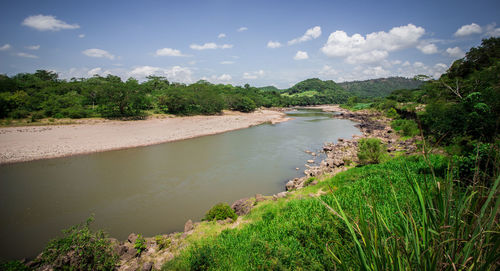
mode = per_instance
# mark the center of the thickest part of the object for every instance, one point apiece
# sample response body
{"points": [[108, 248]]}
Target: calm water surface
{"points": [[155, 189]]}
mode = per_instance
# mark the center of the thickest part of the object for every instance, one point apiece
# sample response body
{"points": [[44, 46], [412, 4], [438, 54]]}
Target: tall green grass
{"points": [[301, 234], [455, 227]]}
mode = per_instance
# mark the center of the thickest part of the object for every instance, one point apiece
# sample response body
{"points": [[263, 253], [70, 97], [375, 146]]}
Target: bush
{"points": [[80, 249], [370, 151], [162, 242], [140, 244], [220, 211], [391, 113], [13, 266], [242, 104], [405, 127]]}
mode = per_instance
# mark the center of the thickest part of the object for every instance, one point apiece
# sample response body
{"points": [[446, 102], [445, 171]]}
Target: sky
{"points": [[236, 42]]}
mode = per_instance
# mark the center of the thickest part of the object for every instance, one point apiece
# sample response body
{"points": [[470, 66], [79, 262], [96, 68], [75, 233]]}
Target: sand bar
{"points": [[18, 144]]}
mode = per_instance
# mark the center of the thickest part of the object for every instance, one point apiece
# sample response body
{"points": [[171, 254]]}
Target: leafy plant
{"points": [[140, 244], [162, 242], [405, 127], [80, 249], [220, 211], [13, 266], [309, 180], [370, 151]]}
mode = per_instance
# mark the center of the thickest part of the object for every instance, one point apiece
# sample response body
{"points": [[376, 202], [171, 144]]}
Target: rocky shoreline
{"points": [[338, 157]]}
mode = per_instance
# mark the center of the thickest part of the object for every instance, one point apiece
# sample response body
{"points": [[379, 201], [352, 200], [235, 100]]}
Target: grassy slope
{"points": [[294, 233]]}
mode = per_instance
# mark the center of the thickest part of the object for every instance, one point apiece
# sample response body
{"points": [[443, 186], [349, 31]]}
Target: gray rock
{"points": [[242, 206], [188, 226], [132, 237], [147, 266], [259, 198], [281, 195], [290, 185]]}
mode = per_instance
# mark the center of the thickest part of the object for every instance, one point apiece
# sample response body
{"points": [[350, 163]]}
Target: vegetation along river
{"points": [[155, 189]]}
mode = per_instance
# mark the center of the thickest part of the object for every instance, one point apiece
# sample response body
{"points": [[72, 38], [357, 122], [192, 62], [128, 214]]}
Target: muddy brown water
{"points": [[155, 189]]}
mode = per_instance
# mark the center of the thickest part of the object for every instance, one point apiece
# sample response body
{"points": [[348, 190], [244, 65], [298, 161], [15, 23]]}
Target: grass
{"points": [[300, 233]]}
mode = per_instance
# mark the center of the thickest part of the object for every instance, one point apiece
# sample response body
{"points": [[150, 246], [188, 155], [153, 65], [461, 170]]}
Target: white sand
{"points": [[28, 143]]}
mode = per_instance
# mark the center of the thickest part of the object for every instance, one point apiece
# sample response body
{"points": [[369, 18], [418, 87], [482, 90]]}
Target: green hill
{"points": [[379, 87], [314, 84]]}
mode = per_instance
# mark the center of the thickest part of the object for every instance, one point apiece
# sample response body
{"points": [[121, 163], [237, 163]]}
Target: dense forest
{"points": [[379, 87]]}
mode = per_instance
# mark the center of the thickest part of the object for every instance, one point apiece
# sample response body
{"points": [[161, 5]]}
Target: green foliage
{"points": [[370, 151], [13, 266], [220, 211], [80, 249], [379, 87], [309, 180], [405, 127], [391, 113], [241, 103], [298, 234], [140, 244], [162, 242], [451, 229]]}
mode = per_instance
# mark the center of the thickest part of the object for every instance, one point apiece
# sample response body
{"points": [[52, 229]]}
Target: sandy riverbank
{"points": [[18, 144]]}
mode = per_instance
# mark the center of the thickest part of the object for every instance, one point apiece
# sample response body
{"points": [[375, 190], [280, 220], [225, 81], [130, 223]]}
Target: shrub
{"points": [[242, 104], [37, 116], [391, 113], [162, 242], [370, 151], [220, 211], [310, 180], [140, 244], [80, 249], [13, 266], [405, 127]]}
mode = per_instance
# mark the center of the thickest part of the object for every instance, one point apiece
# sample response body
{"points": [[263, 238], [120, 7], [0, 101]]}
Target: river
{"points": [[155, 189]]}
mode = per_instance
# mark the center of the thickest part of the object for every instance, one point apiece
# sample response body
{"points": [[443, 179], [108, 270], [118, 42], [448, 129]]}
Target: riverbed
{"points": [[156, 189]]}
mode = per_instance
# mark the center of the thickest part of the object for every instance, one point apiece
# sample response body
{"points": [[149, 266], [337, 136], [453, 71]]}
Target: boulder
{"points": [[290, 185], [188, 226], [310, 161], [147, 266], [259, 198], [281, 195], [242, 206], [132, 237]]}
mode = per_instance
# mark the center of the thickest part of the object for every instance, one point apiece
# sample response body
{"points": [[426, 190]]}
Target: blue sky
{"points": [[257, 42]]}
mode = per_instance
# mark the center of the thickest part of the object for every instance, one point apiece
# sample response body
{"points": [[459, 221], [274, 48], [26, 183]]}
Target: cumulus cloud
{"points": [[492, 30], [168, 52], [47, 22], [273, 44], [328, 71], [468, 29], [455, 52], [210, 46], [427, 48], [33, 47], [375, 72], [94, 71], [81, 36], [175, 73], [311, 33], [221, 35], [99, 53], [243, 28], [5, 47], [227, 62], [434, 71], [26, 55], [301, 55], [253, 75], [377, 44]]}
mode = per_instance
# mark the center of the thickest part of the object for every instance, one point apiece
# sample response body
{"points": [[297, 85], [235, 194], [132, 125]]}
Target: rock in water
{"points": [[188, 226], [242, 206]]}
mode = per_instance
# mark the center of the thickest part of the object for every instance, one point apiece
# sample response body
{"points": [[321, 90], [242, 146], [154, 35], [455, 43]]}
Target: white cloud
{"points": [[5, 47], [94, 71], [243, 28], [210, 45], [81, 36], [47, 22], [274, 44], [175, 73], [406, 64], [328, 71], [98, 53], [368, 57], [168, 52], [427, 48], [225, 77], [221, 35], [301, 55], [376, 72], [311, 33], [455, 52], [357, 48], [253, 75], [396, 62], [33, 47], [468, 29], [26, 55], [434, 71], [227, 62], [492, 31]]}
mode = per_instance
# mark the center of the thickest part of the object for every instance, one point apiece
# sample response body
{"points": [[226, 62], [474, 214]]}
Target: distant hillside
{"points": [[270, 88], [379, 87], [314, 84]]}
